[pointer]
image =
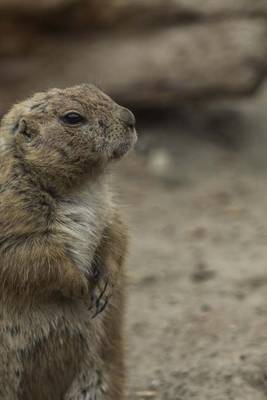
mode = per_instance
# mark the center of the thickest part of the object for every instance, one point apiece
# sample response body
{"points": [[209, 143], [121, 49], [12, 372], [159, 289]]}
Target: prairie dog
{"points": [[62, 247]]}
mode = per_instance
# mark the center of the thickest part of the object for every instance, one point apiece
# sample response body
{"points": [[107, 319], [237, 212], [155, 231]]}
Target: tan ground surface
{"points": [[196, 196]]}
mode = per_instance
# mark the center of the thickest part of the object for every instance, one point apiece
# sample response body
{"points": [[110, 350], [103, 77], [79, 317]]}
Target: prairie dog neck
{"points": [[81, 217]]}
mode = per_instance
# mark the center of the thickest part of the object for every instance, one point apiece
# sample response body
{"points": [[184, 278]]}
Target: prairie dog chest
{"points": [[81, 219]]}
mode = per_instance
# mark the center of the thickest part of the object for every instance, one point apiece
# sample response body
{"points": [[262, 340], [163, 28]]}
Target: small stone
{"points": [[202, 273], [198, 232], [146, 394], [159, 162], [155, 383]]}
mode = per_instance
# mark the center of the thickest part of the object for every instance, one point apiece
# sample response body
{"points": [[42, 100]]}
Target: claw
{"points": [[99, 301], [100, 308], [102, 294]]}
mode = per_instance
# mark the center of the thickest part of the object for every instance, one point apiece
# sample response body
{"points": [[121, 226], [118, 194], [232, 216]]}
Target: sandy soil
{"points": [[195, 194]]}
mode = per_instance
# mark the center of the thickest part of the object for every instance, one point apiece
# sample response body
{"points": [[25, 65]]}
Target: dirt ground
{"points": [[195, 195]]}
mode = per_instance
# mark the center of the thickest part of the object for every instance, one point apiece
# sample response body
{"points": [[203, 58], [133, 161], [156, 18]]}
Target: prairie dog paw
{"points": [[101, 292]]}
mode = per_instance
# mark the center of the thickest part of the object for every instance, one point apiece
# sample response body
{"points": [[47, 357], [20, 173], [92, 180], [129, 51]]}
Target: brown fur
{"points": [[62, 248]]}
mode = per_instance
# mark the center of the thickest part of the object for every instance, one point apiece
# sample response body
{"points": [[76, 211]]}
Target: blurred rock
{"points": [[225, 7], [217, 54], [163, 67], [18, 39], [132, 12], [33, 7]]}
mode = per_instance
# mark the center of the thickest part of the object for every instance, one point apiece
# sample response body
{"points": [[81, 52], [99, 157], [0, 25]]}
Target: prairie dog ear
{"points": [[24, 128]]}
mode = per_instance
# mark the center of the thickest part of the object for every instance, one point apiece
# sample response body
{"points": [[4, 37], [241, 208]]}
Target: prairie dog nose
{"points": [[127, 117]]}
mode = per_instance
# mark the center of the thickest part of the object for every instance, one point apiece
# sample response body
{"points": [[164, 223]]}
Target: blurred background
{"points": [[195, 190]]}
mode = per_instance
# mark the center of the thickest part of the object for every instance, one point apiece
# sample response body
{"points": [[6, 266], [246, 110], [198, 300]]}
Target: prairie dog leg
{"points": [[104, 380], [89, 385]]}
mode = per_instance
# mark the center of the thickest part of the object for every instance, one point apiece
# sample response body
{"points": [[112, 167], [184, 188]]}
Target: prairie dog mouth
{"points": [[121, 150]]}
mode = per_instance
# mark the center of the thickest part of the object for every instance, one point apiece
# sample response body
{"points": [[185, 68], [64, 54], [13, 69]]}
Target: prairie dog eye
{"points": [[73, 118]]}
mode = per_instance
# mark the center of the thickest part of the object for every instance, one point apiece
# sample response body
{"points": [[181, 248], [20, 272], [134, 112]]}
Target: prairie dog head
{"points": [[68, 132]]}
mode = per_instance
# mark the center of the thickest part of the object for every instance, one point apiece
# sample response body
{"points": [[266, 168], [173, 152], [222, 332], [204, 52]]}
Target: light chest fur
{"points": [[80, 220]]}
